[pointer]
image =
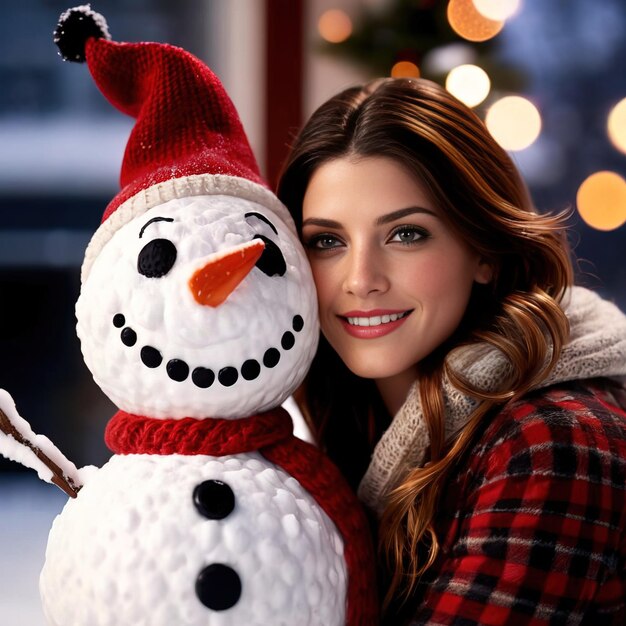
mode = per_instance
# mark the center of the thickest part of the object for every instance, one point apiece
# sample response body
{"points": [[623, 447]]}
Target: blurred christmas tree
{"points": [[418, 32]]}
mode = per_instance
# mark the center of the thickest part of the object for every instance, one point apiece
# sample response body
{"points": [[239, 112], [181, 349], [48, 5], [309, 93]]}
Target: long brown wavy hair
{"points": [[485, 202]]}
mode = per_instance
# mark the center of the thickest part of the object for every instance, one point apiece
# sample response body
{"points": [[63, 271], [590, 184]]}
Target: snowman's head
{"points": [[199, 307]]}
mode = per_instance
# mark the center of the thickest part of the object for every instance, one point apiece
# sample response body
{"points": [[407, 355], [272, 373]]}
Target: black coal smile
{"points": [[203, 377]]}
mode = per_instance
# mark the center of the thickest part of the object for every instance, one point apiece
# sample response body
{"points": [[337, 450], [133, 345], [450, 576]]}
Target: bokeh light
{"points": [[334, 26], [442, 59], [468, 23], [616, 125], [497, 9], [601, 200], [405, 69], [514, 122], [469, 83]]}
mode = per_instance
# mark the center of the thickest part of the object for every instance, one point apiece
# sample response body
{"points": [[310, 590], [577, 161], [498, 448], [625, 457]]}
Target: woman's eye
{"points": [[407, 234], [156, 258], [323, 242]]}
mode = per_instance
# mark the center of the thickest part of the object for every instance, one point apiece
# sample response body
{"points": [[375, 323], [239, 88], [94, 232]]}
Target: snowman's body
{"points": [[131, 548]]}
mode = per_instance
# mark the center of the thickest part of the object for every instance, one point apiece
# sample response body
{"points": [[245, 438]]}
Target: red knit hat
{"points": [[188, 139]]}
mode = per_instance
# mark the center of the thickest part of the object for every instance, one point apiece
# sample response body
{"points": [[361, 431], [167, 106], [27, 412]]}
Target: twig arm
{"points": [[19, 444]]}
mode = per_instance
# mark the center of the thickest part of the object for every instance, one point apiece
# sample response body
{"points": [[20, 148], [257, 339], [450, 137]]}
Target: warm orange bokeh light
{"points": [[497, 9], [601, 200], [514, 122], [467, 22], [616, 125], [334, 26], [405, 69]]}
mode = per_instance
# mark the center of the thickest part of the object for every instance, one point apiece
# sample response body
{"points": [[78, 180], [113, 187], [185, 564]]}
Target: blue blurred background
{"points": [[61, 146]]}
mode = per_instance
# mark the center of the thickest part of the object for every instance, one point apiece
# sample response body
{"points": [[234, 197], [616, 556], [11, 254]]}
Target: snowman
{"points": [[197, 318]]}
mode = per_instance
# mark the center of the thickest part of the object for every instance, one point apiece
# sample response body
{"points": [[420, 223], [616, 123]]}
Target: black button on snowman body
{"points": [[218, 586]]}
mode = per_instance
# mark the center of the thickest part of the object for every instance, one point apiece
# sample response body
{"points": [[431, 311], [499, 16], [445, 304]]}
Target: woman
{"points": [[462, 384]]}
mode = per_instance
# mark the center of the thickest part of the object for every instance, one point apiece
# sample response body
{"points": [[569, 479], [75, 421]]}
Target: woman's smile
{"points": [[373, 324]]}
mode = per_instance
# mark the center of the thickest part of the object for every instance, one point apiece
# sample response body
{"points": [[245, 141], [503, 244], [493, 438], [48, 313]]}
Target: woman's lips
{"points": [[373, 324]]}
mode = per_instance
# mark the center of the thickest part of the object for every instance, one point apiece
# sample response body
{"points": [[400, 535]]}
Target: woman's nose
{"points": [[219, 276], [364, 273]]}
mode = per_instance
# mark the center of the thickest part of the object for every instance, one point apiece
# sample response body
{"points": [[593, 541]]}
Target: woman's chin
{"points": [[375, 369]]}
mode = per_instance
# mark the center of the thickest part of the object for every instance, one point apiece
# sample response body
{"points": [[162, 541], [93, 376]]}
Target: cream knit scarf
{"points": [[596, 347]]}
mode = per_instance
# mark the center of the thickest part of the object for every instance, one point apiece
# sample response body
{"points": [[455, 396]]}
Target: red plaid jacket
{"points": [[532, 527]]}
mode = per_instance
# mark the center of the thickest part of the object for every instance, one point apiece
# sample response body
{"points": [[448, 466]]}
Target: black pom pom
{"points": [[75, 27]]}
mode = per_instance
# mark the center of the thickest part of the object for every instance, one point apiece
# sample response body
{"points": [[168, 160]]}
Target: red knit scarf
{"points": [[135, 434]]}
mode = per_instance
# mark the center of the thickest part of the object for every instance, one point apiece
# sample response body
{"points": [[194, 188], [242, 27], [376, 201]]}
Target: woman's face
{"points": [[393, 280]]}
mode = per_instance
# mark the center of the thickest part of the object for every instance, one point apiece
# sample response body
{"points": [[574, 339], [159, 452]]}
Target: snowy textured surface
{"points": [[27, 509], [164, 315], [129, 548]]}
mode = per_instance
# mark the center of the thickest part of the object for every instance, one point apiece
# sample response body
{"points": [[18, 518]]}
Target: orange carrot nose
{"points": [[213, 283]]}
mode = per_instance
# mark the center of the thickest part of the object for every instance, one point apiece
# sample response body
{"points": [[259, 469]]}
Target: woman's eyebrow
{"points": [[400, 213], [383, 219], [262, 218], [320, 221], [154, 219]]}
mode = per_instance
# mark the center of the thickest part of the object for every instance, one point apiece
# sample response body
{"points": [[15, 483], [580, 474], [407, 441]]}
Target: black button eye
{"points": [[156, 258], [272, 261]]}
